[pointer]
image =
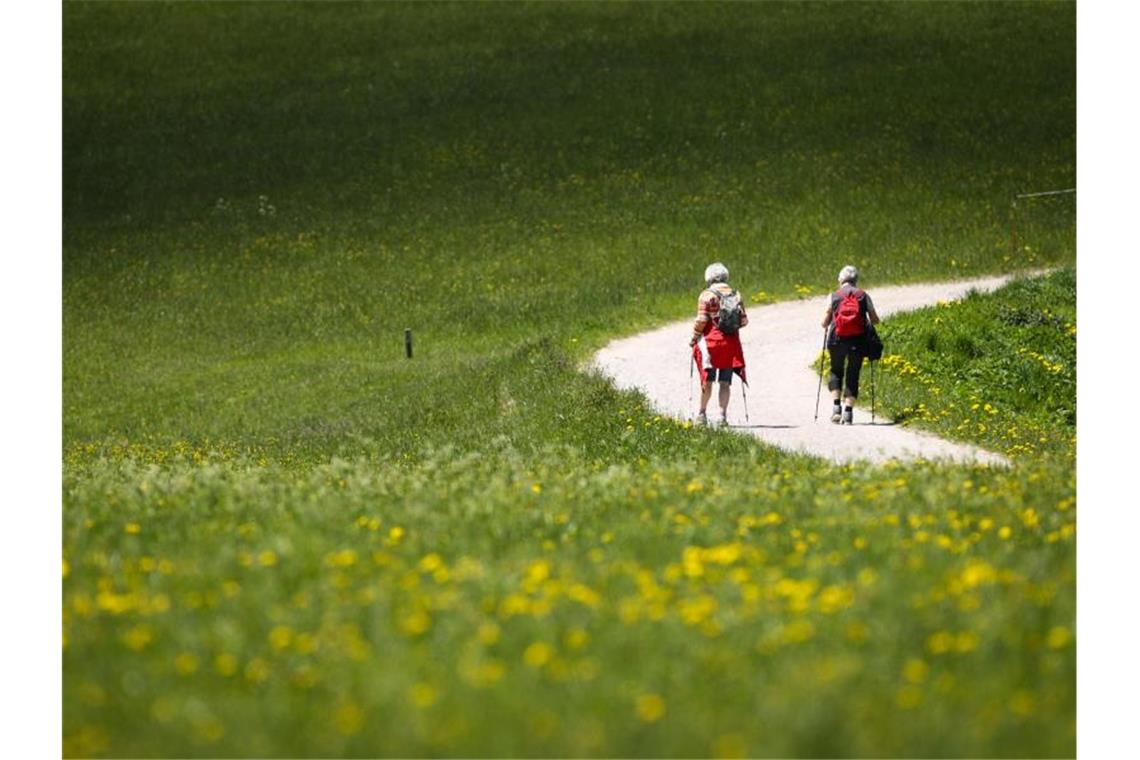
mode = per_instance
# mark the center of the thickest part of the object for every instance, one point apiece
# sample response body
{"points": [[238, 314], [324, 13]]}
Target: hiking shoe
{"points": [[847, 415], [722, 422], [701, 420], [835, 414]]}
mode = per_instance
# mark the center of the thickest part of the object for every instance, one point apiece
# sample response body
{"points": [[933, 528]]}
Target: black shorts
{"points": [[725, 375]]}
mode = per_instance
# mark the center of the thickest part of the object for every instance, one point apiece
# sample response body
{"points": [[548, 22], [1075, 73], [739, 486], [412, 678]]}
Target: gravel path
{"points": [[780, 343]]}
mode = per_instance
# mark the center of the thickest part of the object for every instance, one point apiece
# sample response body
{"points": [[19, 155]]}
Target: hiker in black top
{"points": [[848, 321]]}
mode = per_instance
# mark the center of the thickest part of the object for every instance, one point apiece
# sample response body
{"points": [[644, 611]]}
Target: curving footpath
{"points": [[780, 343]]}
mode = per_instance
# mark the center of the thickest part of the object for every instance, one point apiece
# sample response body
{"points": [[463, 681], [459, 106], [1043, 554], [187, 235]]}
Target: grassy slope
{"points": [[999, 371], [519, 183]]}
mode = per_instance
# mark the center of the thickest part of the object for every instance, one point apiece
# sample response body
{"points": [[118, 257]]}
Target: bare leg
{"points": [[706, 394], [725, 392]]}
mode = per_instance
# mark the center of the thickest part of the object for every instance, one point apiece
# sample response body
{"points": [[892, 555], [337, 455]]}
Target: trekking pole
{"points": [[743, 390], [819, 389], [692, 361], [872, 393]]}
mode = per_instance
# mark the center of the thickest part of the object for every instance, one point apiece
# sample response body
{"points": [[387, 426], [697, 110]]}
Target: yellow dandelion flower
{"points": [[537, 654], [940, 642], [138, 637], [305, 643], [1022, 703], [488, 633], [267, 558], [305, 677], [483, 674], [585, 595], [1058, 637], [348, 718], [343, 558], [650, 707], [857, 632], [576, 638], [133, 528], [430, 563], [422, 695], [908, 697], [415, 622], [915, 670], [256, 670], [226, 664], [186, 664], [966, 641], [797, 632], [281, 637]]}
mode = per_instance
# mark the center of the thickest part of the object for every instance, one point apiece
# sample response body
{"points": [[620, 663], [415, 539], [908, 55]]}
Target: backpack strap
{"points": [[719, 295]]}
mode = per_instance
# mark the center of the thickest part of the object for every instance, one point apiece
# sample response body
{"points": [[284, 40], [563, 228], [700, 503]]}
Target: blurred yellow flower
{"points": [[650, 707], [488, 633], [256, 670], [348, 718], [422, 695], [138, 637], [226, 664], [576, 638], [1058, 637], [537, 654], [186, 664], [1022, 703], [915, 670], [966, 641], [281, 637], [342, 558], [908, 697], [415, 622]]}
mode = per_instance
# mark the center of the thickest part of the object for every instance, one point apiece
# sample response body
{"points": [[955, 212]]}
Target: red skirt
{"points": [[724, 352]]}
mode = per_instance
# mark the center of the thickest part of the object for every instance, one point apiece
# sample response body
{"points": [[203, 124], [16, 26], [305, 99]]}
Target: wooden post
{"points": [[408, 342], [1012, 228]]}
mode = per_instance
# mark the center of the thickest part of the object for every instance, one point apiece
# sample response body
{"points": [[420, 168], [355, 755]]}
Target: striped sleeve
{"points": [[708, 306]]}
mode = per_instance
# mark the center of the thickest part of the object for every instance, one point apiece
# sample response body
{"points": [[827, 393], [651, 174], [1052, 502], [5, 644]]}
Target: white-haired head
{"points": [[716, 273], [848, 274]]}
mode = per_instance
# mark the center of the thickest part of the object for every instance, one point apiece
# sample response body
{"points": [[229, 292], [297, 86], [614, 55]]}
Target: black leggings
{"points": [[851, 353]]}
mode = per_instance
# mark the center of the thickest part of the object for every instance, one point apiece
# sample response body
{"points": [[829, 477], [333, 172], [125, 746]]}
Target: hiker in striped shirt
{"points": [[716, 346]]}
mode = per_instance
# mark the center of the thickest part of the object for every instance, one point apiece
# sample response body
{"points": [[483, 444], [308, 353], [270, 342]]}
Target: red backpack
{"points": [[849, 320]]}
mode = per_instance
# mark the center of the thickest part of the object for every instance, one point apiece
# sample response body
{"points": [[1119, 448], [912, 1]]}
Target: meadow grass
{"points": [[999, 370], [283, 538]]}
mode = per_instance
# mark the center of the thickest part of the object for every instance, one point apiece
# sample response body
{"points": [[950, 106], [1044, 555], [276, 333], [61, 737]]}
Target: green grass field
{"points": [[281, 537]]}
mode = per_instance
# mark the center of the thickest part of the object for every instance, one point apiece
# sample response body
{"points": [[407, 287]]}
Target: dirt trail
{"points": [[780, 343]]}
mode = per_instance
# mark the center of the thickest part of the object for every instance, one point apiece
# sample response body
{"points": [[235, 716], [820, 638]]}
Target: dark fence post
{"points": [[408, 341]]}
